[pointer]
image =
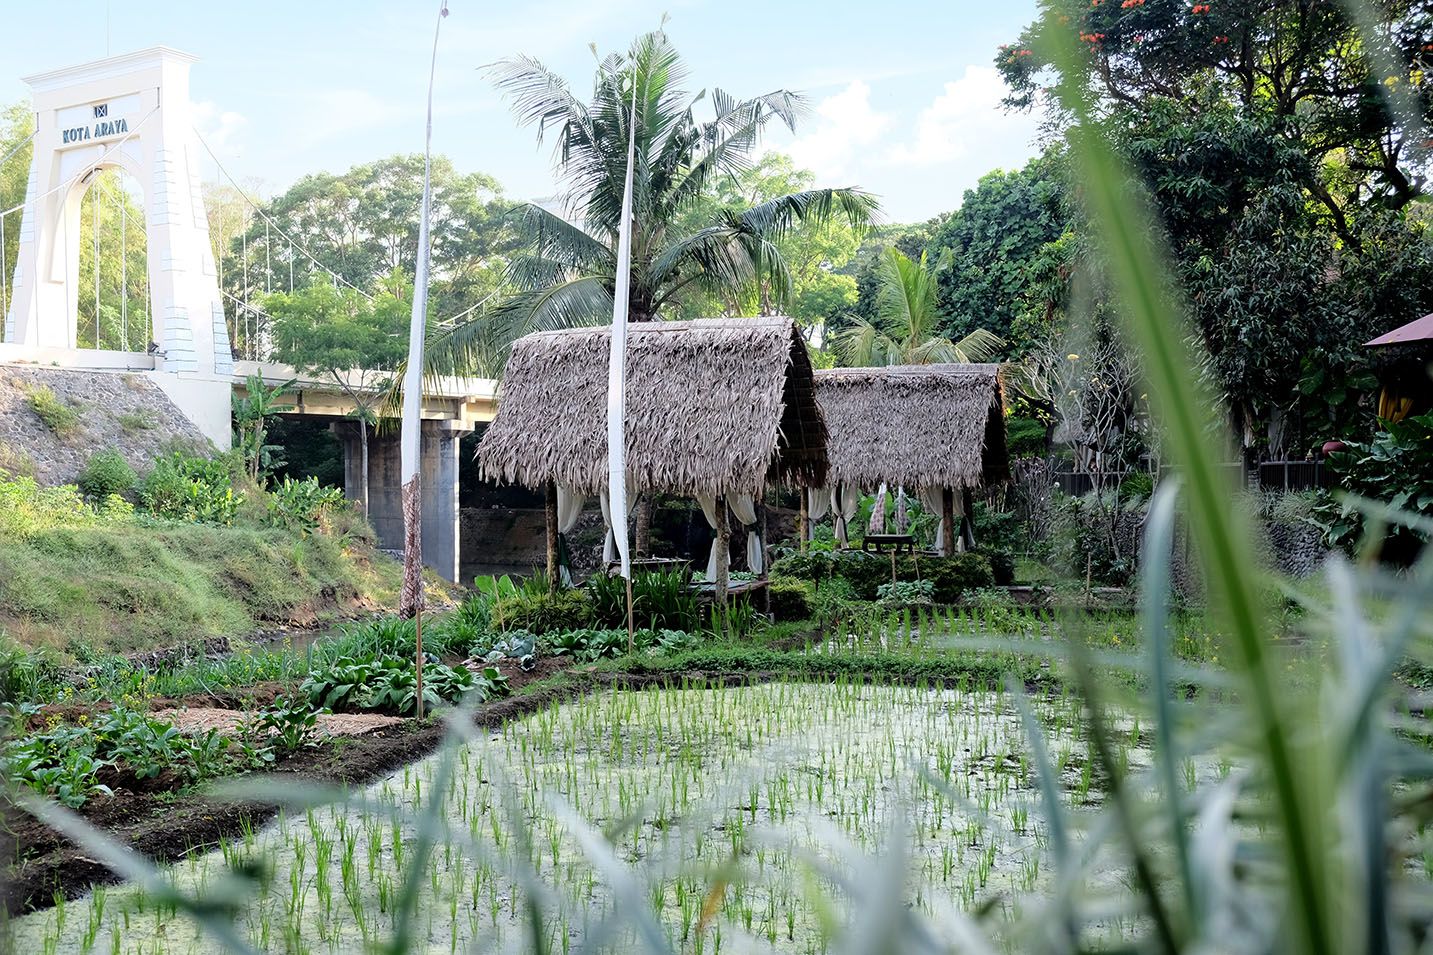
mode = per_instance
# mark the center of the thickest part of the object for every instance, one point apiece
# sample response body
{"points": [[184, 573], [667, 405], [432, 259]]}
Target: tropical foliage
{"points": [[565, 275]]}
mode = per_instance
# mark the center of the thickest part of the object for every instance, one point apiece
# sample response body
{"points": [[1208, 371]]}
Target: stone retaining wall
{"points": [[120, 410]]}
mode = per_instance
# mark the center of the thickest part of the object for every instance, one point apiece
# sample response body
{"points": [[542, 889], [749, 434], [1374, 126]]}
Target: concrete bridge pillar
{"points": [[385, 489]]}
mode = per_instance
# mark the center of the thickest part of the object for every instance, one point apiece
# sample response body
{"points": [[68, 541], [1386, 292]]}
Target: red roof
{"points": [[1418, 330]]}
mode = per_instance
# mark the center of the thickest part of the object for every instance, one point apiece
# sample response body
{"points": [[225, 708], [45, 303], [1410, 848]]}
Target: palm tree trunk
{"points": [[551, 513]]}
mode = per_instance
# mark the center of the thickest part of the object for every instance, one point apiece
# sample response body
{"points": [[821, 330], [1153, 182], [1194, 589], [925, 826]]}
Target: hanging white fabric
{"points": [[744, 507], [877, 523], [818, 503], [902, 518], [930, 500], [846, 499], [617, 358], [609, 540], [569, 508], [709, 511]]}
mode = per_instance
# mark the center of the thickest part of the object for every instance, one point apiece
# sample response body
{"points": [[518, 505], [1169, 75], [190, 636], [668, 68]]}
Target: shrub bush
{"points": [[106, 473], [1025, 437], [864, 571], [58, 415], [790, 598], [26, 508], [189, 488], [1002, 565], [906, 593], [543, 612], [812, 565], [303, 505]]}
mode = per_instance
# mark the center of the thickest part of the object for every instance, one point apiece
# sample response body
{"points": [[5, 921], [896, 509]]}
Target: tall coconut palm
{"points": [[904, 330], [565, 277]]}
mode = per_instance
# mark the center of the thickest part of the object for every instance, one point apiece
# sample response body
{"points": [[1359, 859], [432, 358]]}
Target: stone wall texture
{"points": [[118, 410]]}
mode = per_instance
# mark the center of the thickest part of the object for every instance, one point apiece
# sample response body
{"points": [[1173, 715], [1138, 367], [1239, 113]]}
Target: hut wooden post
{"points": [[723, 557], [803, 523], [947, 516], [550, 509]]}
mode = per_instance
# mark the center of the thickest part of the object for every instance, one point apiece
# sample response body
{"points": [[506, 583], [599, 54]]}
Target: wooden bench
{"points": [[896, 543]]}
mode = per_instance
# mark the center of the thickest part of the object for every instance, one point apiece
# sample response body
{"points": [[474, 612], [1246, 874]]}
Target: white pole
{"points": [[617, 370], [410, 444], [95, 230], [123, 268], [4, 279]]}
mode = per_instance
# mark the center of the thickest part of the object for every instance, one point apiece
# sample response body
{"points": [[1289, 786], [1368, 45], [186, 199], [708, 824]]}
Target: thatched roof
{"points": [[914, 425], [714, 406]]}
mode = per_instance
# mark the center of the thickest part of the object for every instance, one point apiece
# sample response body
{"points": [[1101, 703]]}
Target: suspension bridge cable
{"points": [[276, 227], [19, 146], [103, 157]]}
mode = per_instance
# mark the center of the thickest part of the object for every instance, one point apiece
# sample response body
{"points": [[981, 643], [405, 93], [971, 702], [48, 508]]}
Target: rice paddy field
{"points": [[733, 813]]}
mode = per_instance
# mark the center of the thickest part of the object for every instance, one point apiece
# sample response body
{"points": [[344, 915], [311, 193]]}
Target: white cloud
{"points": [[845, 124], [219, 127], [965, 119]]}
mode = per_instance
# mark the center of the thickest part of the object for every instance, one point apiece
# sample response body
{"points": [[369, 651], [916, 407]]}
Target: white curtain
{"points": [[744, 507], [818, 503], [930, 498], [609, 540], [845, 500], [902, 520], [877, 523], [709, 511], [569, 509]]}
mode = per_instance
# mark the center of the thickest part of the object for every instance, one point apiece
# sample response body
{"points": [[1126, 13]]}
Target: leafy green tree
{"points": [[993, 239], [812, 251], [905, 329], [110, 210], [865, 265], [1306, 70], [363, 226], [355, 341], [252, 412], [565, 276], [17, 122]]}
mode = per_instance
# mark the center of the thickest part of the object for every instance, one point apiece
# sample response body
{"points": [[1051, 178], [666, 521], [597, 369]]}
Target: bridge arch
{"points": [[130, 112]]}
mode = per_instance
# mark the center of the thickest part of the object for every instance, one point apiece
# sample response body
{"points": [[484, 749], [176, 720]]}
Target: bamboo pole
{"points": [[947, 516], [550, 510]]}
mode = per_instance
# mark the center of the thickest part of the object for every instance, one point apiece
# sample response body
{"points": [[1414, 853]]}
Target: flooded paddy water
{"points": [[732, 812]]}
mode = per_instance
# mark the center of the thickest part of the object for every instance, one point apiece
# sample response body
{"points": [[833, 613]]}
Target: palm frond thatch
{"points": [[714, 406], [914, 425]]}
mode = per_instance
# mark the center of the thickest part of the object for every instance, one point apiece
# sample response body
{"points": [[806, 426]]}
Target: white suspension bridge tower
{"points": [[132, 113]]}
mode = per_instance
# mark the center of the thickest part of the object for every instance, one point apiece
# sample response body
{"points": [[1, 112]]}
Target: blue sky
{"points": [[905, 102]]}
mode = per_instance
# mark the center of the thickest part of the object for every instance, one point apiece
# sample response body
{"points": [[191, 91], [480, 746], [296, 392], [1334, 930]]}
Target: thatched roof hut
{"points": [[714, 407], [915, 426]]}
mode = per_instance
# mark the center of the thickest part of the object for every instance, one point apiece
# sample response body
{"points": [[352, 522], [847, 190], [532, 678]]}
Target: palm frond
{"points": [[980, 345], [775, 217], [480, 345], [557, 240], [865, 344]]}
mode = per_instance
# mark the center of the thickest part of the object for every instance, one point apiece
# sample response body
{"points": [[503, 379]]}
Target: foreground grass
{"points": [[136, 586], [696, 786]]}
